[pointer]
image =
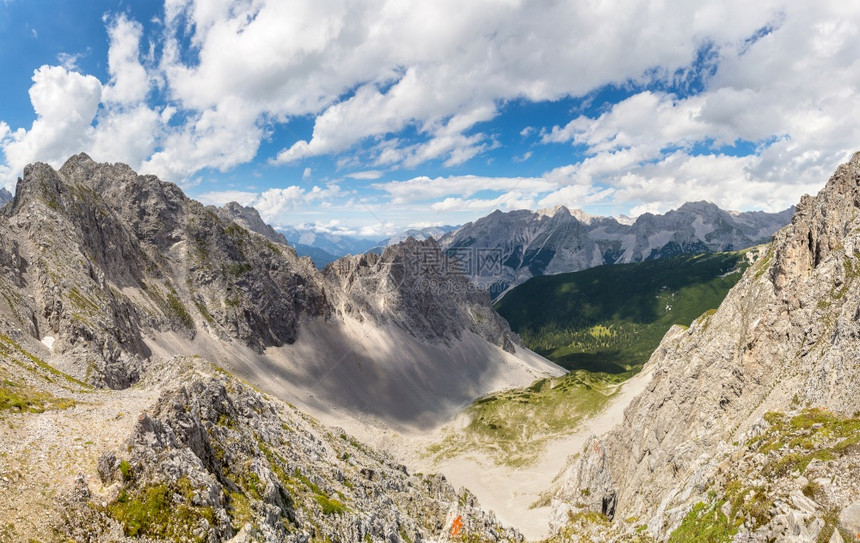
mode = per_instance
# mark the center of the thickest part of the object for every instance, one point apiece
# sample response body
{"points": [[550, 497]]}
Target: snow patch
{"points": [[49, 342]]}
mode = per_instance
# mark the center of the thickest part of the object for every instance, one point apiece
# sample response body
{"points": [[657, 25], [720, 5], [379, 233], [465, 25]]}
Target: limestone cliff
{"points": [[786, 338]]}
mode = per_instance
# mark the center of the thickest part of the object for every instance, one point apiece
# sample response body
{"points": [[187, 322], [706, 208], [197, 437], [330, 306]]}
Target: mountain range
{"points": [[506, 249], [171, 371], [502, 250], [324, 247]]}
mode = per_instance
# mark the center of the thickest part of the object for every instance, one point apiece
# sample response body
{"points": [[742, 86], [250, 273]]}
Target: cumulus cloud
{"points": [[129, 80], [274, 204], [780, 94], [65, 103], [365, 175], [395, 84], [372, 70], [424, 188], [219, 138], [221, 197]]}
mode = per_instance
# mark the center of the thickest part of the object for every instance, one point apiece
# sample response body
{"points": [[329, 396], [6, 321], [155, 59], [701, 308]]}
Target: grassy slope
{"points": [[611, 318], [606, 320], [513, 427]]}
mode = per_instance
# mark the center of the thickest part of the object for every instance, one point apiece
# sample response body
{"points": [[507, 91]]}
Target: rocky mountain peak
{"points": [[820, 225], [5, 196], [114, 254], [250, 218], [701, 207], [552, 211], [561, 240], [782, 344], [421, 289]]}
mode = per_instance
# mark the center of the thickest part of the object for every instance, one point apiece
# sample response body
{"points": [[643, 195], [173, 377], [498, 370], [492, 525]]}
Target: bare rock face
{"points": [[107, 255], [416, 287], [249, 218], [787, 336], [215, 460]]}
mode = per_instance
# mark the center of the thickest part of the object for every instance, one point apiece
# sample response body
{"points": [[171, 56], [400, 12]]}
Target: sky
{"points": [[369, 117]]}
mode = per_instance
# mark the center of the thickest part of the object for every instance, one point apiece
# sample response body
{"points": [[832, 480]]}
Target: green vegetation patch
{"points": [[814, 434], [330, 506], [789, 444], [705, 523], [19, 398], [160, 511], [611, 318], [170, 305], [513, 426]]}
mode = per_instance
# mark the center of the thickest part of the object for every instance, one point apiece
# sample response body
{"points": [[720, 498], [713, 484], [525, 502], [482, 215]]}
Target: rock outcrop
{"points": [[249, 218], [415, 286], [100, 256], [785, 340], [215, 460]]}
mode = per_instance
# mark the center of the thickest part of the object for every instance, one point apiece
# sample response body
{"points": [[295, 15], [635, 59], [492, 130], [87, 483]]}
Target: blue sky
{"points": [[369, 117]]}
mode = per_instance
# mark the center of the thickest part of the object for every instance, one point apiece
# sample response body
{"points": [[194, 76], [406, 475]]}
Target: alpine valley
{"points": [[171, 371]]}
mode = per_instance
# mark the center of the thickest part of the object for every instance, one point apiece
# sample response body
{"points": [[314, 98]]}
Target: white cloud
{"points": [[126, 135], [792, 93], [220, 138], [523, 157], [398, 84], [424, 188], [508, 201], [575, 197], [221, 197], [370, 70], [65, 103], [274, 204], [69, 61], [129, 81], [365, 175]]}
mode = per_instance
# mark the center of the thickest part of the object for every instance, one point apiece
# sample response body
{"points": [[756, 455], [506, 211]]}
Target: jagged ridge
{"points": [[527, 244], [785, 337]]}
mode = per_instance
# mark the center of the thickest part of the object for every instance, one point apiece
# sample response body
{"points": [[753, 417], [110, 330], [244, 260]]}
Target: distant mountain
{"points": [[337, 245], [420, 234], [505, 249], [249, 218], [5, 196], [320, 257], [324, 248]]}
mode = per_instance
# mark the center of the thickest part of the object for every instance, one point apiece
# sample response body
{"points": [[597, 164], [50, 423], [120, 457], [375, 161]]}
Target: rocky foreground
{"points": [[749, 429], [193, 454], [112, 427]]}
